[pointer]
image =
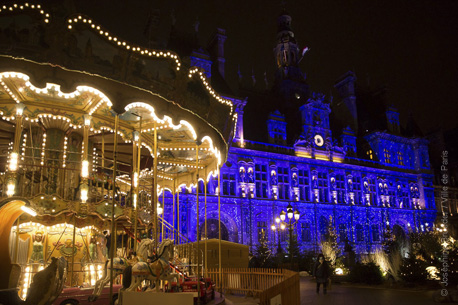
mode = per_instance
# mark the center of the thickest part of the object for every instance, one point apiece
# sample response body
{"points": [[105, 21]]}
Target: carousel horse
{"points": [[145, 250], [47, 284], [157, 270]]}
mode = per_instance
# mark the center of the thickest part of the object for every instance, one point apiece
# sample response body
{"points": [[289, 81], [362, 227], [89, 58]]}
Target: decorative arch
{"points": [[229, 223], [10, 210]]}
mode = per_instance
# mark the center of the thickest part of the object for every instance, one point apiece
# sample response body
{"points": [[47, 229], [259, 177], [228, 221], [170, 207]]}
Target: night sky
{"points": [[409, 46]]}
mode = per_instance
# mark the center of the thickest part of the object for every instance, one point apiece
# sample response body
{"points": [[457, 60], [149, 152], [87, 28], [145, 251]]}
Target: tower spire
{"points": [[287, 52]]}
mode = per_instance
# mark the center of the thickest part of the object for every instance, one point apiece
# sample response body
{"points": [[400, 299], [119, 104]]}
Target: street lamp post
{"points": [[288, 219], [277, 226]]}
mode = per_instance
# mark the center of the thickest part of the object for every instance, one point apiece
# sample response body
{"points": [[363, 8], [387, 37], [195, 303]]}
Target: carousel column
{"points": [[154, 203], [84, 187], [205, 234], [14, 156], [135, 177], [178, 216], [219, 232], [173, 214], [198, 220], [115, 156]]}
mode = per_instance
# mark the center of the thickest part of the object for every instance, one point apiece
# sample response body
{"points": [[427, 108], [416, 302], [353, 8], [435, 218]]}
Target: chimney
{"points": [[216, 49], [346, 88]]}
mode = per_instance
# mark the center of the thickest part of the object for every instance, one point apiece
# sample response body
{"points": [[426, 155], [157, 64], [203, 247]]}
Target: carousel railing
{"points": [[38, 172]]}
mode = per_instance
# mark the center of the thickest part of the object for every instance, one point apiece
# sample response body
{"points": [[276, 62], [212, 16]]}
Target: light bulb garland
{"points": [[64, 156], [71, 22], [210, 90], [43, 146], [21, 7]]}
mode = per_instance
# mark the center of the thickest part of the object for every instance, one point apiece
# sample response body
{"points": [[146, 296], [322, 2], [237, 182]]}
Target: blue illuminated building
{"points": [[347, 160]]}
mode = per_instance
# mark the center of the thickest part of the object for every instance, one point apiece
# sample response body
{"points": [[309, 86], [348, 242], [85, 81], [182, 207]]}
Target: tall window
{"points": [[357, 189], [283, 183], [387, 155], [262, 228], [340, 188], [323, 227], [342, 232], [359, 233], [402, 197], [306, 236], [229, 184], [375, 233], [323, 186], [304, 187], [261, 181]]}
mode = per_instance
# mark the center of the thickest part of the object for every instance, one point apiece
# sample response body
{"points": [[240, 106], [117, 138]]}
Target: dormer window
{"points": [[400, 158], [387, 156], [370, 154]]}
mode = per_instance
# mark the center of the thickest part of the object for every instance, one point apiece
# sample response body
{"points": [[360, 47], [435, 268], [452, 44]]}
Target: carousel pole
{"points": [[205, 233], [115, 156], [173, 211], [136, 181], [154, 203], [73, 247], [163, 212], [12, 176], [178, 215], [103, 163], [198, 220], [219, 232]]}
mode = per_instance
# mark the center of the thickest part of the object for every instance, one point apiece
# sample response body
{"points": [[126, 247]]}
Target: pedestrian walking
{"points": [[321, 273]]}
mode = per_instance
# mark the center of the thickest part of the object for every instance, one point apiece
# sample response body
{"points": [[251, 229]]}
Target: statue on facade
{"points": [[273, 178]]}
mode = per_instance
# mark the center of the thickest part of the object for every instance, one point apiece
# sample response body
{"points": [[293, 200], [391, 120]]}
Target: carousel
{"points": [[93, 131]]}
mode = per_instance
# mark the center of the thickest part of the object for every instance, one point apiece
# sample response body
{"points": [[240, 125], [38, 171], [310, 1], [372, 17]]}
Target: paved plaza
{"points": [[346, 294], [359, 295]]}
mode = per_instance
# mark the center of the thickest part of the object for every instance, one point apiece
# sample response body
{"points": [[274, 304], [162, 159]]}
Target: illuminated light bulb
{"points": [[13, 162], [10, 189], [85, 169]]}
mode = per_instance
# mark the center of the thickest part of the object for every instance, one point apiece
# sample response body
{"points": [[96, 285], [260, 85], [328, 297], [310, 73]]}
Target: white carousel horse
{"points": [[145, 250], [157, 270]]}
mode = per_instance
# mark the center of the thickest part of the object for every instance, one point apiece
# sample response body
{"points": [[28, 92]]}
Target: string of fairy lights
{"points": [[122, 43], [37, 7]]}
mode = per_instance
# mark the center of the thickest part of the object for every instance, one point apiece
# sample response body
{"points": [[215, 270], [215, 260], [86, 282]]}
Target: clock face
{"points": [[319, 140]]}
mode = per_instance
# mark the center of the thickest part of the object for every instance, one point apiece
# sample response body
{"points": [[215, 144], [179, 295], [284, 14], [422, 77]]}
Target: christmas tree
{"points": [[388, 242], [262, 252], [330, 246], [413, 270]]}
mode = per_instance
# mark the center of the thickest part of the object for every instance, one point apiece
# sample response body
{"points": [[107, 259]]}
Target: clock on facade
{"points": [[319, 140]]}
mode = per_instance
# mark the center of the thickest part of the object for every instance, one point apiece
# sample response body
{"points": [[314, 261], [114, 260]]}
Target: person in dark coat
{"points": [[321, 273]]}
